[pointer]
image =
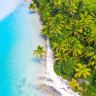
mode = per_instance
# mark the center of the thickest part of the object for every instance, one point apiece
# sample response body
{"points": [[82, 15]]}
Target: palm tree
{"points": [[82, 70], [34, 4], [76, 47], [39, 52], [73, 84], [57, 2]]}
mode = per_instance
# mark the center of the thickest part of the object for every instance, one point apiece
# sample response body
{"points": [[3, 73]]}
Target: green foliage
{"points": [[82, 70], [71, 27], [90, 91], [64, 69], [32, 6], [74, 84], [92, 78], [39, 52]]}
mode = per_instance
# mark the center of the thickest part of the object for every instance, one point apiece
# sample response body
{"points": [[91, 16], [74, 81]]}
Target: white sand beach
{"points": [[50, 79]]}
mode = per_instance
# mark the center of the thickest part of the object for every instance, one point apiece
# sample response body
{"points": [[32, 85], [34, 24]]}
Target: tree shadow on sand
{"points": [[37, 60]]}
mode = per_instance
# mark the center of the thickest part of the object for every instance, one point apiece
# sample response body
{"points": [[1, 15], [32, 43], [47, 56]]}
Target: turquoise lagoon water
{"points": [[19, 36]]}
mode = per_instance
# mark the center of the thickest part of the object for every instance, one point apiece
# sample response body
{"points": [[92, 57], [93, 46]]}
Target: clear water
{"points": [[19, 36]]}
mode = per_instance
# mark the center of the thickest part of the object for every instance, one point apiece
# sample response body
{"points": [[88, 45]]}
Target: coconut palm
{"points": [[39, 52], [32, 6], [73, 84], [57, 2], [76, 47], [82, 70]]}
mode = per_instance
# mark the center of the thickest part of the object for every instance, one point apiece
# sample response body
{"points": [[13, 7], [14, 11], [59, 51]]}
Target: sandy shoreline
{"points": [[48, 80]]}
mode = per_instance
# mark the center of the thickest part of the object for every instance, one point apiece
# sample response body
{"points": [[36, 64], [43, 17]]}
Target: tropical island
{"points": [[65, 48], [70, 27]]}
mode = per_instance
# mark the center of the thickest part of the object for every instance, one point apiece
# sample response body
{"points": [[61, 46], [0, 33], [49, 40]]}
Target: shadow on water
{"points": [[32, 12], [37, 60]]}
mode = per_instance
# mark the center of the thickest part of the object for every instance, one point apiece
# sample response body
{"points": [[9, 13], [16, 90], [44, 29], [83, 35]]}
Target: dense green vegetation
{"points": [[70, 26]]}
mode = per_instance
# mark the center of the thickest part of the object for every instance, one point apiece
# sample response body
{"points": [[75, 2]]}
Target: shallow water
{"points": [[19, 36], [7, 6]]}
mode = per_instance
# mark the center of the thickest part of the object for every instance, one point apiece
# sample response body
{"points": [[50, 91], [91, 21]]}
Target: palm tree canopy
{"points": [[39, 51]]}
